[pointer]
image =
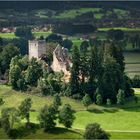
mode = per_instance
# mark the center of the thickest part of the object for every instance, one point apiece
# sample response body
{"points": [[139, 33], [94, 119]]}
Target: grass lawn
{"points": [[7, 35], [121, 28], [113, 119], [12, 35], [38, 34]]}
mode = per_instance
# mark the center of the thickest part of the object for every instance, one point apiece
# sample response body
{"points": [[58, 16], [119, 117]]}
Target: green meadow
{"points": [[120, 121]]}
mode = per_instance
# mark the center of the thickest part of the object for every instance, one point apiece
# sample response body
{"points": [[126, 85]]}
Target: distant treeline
{"points": [[70, 29], [63, 5]]}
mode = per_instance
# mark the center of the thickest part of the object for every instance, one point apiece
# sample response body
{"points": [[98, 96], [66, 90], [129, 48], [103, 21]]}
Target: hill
{"points": [[101, 14], [110, 118]]}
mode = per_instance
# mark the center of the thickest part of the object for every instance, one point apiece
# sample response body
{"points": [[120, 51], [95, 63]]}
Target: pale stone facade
{"points": [[36, 48], [61, 60]]}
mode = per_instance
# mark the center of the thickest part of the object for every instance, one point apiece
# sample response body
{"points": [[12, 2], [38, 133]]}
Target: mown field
{"points": [[121, 121]]}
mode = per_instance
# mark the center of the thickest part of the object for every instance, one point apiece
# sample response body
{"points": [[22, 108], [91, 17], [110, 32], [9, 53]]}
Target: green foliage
{"points": [[67, 44], [34, 72], [54, 38], [24, 109], [120, 97], [84, 45], [94, 131], [87, 100], [8, 52], [66, 116], [115, 34], [74, 80], [136, 81], [57, 101], [112, 80], [24, 32], [9, 116], [44, 87], [99, 99], [47, 117], [14, 75]]}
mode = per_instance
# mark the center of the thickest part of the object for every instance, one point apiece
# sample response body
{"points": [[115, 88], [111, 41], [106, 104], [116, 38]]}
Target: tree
{"points": [[9, 116], [57, 101], [66, 116], [33, 72], [112, 80], [120, 97], [84, 45], [22, 44], [136, 81], [54, 38], [84, 67], [6, 55], [74, 80], [87, 100], [67, 44], [116, 34], [24, 109], [94, 131], [14, 75], [99, 99], [24, 32], [1, 41], [47, 117]]}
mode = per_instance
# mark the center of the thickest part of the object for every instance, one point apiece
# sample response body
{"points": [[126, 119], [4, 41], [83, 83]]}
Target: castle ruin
{"points": [[36, 48], [61, 60]]}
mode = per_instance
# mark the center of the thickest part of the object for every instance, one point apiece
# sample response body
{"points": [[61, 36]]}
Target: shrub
{"points": [[77, 96], [66, 116], [47, 117], [94, 131], [99, 99], [136, 81], [87, 100]]}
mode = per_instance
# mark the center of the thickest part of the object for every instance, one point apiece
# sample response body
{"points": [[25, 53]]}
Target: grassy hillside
{"points": [[119, 121]]}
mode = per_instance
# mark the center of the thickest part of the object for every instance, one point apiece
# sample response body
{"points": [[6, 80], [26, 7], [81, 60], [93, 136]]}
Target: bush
{"points": [[99, 99], [77, 96], [136, 81], [47, 117], [66, 116], [87, 100], [94, 131], [13, 133]]}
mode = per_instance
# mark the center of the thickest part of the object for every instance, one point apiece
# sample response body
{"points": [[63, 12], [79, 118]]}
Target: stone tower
{"points": [[36, 48]]}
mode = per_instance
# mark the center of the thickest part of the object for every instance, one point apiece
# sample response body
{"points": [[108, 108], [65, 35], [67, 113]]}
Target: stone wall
{"points": [[61, 61], [36, 48]]}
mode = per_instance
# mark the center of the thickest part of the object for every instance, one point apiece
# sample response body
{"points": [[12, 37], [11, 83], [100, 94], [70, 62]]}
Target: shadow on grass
{"points": [[24, 131], [59, 130], [98, 111], [113, 110]]}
